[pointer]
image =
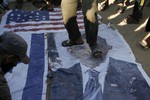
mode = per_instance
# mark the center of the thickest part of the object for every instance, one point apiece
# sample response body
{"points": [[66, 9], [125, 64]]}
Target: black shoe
{"points": [[96, 52], [68, 43]]}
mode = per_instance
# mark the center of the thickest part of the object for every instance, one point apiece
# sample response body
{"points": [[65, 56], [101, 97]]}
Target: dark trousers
{"points": [[138, 10], [89, 8]]}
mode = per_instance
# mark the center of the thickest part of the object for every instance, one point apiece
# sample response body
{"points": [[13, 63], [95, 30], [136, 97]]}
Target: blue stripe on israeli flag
{"points": [[34, 84]]}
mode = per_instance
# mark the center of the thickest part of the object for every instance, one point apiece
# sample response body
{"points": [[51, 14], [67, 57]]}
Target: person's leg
{"points": [[138, 9], [147, 28], [79, 7], [146, 41], [69, 8], [90, 20], [136, 15], [90, 8]]}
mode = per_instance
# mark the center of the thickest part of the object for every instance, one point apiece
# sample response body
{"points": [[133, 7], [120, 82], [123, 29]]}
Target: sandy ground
{"points": [[132, 33]]}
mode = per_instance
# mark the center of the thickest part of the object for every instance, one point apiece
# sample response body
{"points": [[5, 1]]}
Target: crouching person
{"points": [[13, 50]]}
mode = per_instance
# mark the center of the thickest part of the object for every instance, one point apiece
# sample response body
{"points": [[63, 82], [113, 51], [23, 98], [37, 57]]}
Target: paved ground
{"points": [[133, 33]]}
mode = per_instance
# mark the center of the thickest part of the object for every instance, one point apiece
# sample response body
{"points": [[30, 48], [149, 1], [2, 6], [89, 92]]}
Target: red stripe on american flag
{"points": [[38, 29], [37, 24]]}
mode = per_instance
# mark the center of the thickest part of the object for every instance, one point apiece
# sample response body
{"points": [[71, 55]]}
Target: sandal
{"points": [[96, 52], [68, 43]]}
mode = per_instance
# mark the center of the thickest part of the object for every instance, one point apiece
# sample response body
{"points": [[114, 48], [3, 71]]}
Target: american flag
{"points": [[38, 21]]}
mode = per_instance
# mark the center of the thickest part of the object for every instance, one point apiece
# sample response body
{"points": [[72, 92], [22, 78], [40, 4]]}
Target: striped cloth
{"points": [[28, 82]]}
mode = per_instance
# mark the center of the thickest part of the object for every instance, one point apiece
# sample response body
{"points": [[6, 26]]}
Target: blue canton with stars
{"points": [[19, 16]]}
